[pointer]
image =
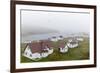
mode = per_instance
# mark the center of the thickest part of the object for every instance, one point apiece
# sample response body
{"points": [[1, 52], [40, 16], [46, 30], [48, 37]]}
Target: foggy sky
{"points": [[40, 22]]}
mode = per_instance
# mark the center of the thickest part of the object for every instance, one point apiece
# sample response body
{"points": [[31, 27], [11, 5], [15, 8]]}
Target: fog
{"points": [[42, 22]]}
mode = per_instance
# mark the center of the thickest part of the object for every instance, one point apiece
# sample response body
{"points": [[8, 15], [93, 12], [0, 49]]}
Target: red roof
{"points": [[61, 44], [35, 47], [46, 43], [39, 46]]}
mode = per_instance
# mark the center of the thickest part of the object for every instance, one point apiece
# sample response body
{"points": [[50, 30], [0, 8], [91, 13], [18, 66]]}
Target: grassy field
{"points": [[79, 53]]}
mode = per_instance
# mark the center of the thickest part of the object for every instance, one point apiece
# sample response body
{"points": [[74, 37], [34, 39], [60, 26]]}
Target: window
{"points": [[30, 55], [26, 53]]}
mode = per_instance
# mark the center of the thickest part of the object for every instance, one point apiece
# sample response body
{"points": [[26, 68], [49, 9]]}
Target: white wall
{"points": [[5, 36]]}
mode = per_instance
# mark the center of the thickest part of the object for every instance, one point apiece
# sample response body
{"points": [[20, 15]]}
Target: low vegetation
{"points": [[79, 53]]}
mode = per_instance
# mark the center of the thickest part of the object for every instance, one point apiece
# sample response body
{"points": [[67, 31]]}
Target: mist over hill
{"points": [[42, 25]]}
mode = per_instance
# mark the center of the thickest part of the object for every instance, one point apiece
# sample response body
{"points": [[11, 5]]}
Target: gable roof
{"points": [[73, 42], [39, 46], [46, 43], [61, 44], [35, 47]]}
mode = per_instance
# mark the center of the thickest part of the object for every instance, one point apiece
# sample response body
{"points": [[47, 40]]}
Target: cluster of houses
{"points": [[43, 48]]}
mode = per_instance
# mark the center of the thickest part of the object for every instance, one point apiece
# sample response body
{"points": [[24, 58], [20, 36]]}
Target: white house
{"points": [[47, 51], [72, 43], [64, 50], [32, 51], [54, 39], [38, 50], [50, 50], [80, 39], [70, 40], [60, 38], [44, 54]]}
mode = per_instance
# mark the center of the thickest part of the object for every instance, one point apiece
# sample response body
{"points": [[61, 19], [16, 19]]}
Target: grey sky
{"points": [[40, 22]]}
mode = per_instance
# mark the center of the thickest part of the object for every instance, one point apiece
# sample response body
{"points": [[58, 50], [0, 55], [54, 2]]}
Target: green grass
{"points": [[79, 53]]}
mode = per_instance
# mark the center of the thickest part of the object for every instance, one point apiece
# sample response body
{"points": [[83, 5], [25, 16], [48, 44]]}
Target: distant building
{"points": [[60, 38], [80, 39], [57, 38]]}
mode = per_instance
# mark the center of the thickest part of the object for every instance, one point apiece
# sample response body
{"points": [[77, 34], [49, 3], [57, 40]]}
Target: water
{"points": [[45, 36]]}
